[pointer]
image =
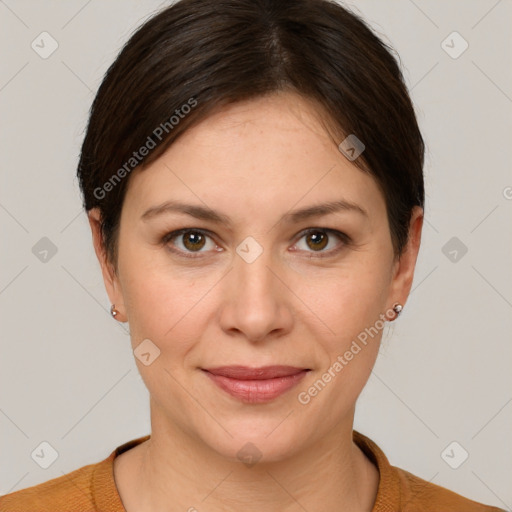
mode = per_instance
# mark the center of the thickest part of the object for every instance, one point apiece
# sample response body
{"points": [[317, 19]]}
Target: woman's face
{"points": [[251, 287]]}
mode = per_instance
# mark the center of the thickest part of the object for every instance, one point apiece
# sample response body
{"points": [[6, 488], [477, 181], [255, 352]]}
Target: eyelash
{"points": [[346, 241]]}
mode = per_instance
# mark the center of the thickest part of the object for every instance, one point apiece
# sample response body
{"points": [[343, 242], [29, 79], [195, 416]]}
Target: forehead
{"points": [[265, 155]]}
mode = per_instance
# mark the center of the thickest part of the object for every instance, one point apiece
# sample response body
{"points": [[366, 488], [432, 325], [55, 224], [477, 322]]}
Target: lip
{"points": [[256, 385]]}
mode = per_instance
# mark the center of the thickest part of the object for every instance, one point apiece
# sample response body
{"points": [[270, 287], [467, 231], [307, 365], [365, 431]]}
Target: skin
{"points": [[254, 162]]}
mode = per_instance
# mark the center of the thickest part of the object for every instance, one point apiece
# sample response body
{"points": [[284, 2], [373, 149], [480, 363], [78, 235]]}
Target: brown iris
{"points": [[193, 240], [319, 239]]}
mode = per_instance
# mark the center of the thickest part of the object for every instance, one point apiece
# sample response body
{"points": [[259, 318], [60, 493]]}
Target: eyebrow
{"points": [[204, 213]]}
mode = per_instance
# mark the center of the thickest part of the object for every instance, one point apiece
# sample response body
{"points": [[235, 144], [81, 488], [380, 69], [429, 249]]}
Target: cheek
{"points": [[347, 303], [164, 304], [160, 310], [345, 299], [158, 305], [349, 329]]}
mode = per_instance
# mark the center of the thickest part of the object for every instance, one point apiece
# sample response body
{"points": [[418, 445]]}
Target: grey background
{"points": [[67, 374]]}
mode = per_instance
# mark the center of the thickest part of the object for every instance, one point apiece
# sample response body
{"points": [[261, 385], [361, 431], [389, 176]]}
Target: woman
{"points": [[252, 174]]}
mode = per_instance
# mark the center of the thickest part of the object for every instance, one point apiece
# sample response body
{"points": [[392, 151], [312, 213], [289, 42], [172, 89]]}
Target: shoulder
{"points": [[402, 491], [70, 492], [418, 495], [87, 489]]}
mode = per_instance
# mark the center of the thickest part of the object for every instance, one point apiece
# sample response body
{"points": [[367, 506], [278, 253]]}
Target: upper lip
{"points": [[262, 373]]}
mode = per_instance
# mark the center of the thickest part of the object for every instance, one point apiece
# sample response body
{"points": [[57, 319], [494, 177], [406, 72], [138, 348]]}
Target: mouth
{"points": [[256, 385]]}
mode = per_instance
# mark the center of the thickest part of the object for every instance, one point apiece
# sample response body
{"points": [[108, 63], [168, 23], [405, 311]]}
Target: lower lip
{"points": [[257, 391]]}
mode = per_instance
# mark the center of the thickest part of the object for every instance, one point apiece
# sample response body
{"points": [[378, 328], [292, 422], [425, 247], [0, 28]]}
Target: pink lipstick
{"points": [[256, 385]]}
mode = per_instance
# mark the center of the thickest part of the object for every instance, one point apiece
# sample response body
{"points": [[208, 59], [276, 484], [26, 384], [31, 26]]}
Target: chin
{"points": [[255, 442]]}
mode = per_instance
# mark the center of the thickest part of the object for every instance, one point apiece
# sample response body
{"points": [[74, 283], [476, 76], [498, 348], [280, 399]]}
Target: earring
{"points": [[113, 310], [397, 308]]}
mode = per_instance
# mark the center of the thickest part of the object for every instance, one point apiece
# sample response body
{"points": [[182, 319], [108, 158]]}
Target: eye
{"points": [[318, 239], [189, 241]]}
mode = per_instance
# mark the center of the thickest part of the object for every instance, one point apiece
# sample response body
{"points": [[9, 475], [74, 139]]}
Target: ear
{"points": [[110, 278], [403, 268]]}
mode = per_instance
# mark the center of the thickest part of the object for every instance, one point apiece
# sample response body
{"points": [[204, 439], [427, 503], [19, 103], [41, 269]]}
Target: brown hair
{"points": [[198, 55]]}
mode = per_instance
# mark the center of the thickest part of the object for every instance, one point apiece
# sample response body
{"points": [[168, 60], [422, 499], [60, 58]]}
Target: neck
{"points": [[332, 474]]}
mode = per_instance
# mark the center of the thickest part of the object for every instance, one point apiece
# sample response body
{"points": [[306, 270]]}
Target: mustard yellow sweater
{"points": [[92, 488]]}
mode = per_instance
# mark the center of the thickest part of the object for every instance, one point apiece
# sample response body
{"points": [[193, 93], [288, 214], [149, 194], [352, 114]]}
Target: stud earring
{"points": [[113, 310], [397, 308]]}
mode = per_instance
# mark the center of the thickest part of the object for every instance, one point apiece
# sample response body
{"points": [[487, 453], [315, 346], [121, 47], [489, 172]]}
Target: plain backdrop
{"points": [[67, 372]]}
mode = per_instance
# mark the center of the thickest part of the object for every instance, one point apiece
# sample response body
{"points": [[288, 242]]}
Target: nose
{"points": [[256, 303]]}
